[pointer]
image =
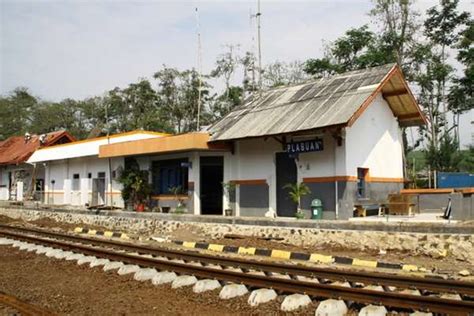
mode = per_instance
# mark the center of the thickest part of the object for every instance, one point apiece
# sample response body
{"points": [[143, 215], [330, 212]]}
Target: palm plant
{"points": [[296, 192]]}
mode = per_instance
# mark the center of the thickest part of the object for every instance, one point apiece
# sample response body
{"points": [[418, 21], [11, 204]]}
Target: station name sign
{"points": [[304, 146]]}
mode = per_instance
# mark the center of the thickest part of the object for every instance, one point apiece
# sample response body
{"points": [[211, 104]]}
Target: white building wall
{"points": [[374, 142], [63, 171]]}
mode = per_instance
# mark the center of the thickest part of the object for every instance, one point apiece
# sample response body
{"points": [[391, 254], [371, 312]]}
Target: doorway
{"points": [[211, 175], [98, 189], [285, 174]]}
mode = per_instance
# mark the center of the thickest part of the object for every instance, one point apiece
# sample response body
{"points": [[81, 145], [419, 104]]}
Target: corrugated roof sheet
{"points": [[15, 150], [321, 103]]}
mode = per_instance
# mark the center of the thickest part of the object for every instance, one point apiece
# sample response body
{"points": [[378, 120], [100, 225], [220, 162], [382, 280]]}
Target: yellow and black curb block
{"points": [[291, 255], [106, 233]]}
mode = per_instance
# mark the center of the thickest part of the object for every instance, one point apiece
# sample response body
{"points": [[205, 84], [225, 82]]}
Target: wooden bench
{"points": [[400, 204], [363, 210]]}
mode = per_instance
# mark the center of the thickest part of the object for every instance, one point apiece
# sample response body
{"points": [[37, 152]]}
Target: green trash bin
{"points": [[316, 209]]}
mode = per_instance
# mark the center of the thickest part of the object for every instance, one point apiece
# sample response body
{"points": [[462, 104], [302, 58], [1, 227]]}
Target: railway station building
{"points": [[340, 135]]}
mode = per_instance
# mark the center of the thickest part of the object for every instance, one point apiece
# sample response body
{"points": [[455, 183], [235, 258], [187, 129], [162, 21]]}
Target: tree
{"points": [[226, 65], [359, 48], [432, 75], [16, 109], [178, 93], [397, 21], [281, 73]]}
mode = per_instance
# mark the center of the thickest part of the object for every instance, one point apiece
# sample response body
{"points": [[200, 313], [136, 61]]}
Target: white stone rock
{"points": [[451, 296], [63, 254], [74, 256], [307, 279], [410, 292], [163, 277], [232, 290], [85, 259], [51, 253], [25, 246], [6, 241], [112, 265], [464, 273], [206, 285], [42, 249], [33, 248], [373, 310], [343, 284], [374, 288], [261, 296], [17, 244], [295, 301], [128, 268], [98, 262], [30, 247], [421, 314], [183, 280], [145, 274], [331, 307]]}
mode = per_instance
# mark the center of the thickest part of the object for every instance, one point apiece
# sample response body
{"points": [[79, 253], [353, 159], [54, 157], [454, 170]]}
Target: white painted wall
{"points": [[62, 172], [374, 142], [3, 183]]}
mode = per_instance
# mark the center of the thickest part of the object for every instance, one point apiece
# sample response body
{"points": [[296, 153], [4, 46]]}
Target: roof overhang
{"points": [[399, 97], [162, 145]]}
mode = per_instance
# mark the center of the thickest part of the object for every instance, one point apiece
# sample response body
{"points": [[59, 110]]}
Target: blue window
{"points": [[167, 174]]}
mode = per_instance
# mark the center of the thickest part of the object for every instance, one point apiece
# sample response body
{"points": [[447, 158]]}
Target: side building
{"points": [[75, 175], [18, 179]]}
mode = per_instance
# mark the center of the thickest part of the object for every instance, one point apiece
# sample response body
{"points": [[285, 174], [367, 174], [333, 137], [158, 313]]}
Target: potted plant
{"points": [[180, 205], [136, 188], [296, 192], [229, 191]]}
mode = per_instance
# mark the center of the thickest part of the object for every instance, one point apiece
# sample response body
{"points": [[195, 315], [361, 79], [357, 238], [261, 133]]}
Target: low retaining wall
{"points": [[457, 245]]}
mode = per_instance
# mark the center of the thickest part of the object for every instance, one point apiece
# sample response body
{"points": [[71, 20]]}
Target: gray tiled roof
{"points": [[316, 104]]}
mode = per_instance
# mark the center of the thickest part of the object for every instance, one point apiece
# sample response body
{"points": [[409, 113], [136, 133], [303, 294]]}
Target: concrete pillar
{"points": [[67, 191], [19, 191], [226, 179], [84, 191], [194, 176]]}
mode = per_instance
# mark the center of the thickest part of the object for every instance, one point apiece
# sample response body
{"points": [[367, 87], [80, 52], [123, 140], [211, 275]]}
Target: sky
{"points": [[77, 49]]}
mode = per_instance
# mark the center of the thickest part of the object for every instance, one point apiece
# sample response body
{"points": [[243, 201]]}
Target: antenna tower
{"points": [[199, 69]]}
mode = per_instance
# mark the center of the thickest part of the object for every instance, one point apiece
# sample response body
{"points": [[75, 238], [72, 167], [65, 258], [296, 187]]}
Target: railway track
{"points": [[24, 308], [285, 278]]}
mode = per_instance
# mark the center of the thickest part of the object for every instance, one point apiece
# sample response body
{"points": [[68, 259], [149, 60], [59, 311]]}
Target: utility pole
{"points": [[109, 199], [199, 69], [260, 71]]}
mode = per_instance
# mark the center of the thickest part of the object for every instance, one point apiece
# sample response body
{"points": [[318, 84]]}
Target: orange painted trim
{"points": [[466, 190], [352, 179], [250, 182], [385, 180], [330, 179], [169, 197], [426, 191], [161, 145], [105, 137], [371, 97]]}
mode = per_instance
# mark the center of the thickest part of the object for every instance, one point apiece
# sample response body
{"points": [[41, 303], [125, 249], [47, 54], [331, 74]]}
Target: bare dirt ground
{"points": [[68, 289]]}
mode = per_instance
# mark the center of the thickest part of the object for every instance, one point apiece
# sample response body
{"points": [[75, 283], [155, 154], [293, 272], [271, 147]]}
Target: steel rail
{"points": [[24, 308], [384, 279], [365, 296]]}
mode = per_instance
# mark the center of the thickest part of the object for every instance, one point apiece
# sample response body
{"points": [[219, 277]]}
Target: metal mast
{"points": [[199, 69], [259, 47]]}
